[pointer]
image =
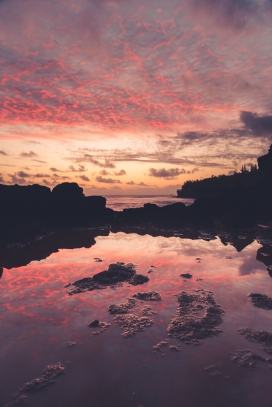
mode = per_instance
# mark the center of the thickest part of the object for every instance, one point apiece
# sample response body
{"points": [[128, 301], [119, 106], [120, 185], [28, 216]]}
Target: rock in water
{"points": [[198, 317], [115, 276], [148, 296], [261, 301]]}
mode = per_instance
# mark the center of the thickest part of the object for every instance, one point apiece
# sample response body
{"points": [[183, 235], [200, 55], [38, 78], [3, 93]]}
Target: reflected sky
{"points": [[38, 319]]}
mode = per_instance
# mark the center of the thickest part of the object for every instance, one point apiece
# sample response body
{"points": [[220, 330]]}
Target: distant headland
{"points": [[239, 200]]}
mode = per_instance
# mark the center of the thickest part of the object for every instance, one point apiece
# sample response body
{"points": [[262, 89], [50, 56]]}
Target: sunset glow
{"points": [[133, 97]]}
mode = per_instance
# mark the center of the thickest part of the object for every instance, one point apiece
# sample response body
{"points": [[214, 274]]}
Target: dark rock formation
{"points": [[115, 276], [24, 210], [265, 162]]}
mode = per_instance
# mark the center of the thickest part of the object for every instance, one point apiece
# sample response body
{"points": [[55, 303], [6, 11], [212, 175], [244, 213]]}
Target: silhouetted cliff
{"points": [[213, 186]]}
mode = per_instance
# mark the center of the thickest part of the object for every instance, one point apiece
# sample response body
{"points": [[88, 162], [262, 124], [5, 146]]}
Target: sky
{"points": [[133, 97]]}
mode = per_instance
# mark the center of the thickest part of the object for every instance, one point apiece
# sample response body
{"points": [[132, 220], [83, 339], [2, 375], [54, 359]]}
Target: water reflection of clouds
{"points": [[250, 266], [38, 317]]}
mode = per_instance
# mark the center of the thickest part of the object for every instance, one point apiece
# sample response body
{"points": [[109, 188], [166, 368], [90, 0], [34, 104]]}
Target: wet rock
{"points": [[98, 324], [198, 317], [160, 345], [147, 311], [199, 279], [174, 348], [116, 273], [229, 257], [150, 271], [122, 308], [98, 260], [186, 275], [214, 370], [94, 324], [138, 279], [132, 324], [261, 301], [262, 337], [115, 276], [48, 377], [148, 296], [247, 358]]}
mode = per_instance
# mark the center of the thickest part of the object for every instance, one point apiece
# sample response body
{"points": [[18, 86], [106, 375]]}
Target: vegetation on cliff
{"points": [[211, 187]]}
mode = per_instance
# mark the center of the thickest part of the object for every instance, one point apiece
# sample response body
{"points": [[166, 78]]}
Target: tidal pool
{"points": [[45, 332]]}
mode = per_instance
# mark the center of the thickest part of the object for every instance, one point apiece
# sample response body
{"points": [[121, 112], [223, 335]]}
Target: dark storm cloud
{"points": [[119, 173], [55, 169], [23, 174], [139, 184], [104, 173], [80, 168], [89, 158], [83, 177], [41, 176], [259, 125], [166, 173], [28, 155], [108, 180]]}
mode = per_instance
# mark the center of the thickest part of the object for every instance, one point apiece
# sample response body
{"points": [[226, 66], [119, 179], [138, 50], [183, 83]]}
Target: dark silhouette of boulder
{"points": [[24, 210], [70, 190]]}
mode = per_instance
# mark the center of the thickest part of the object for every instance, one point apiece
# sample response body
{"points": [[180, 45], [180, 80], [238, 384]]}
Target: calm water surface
{"points": [[38, 319], [120, 202]]}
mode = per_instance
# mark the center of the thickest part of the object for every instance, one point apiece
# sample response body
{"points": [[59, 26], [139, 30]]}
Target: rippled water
{"points": [[38, 319], [120, 202]]}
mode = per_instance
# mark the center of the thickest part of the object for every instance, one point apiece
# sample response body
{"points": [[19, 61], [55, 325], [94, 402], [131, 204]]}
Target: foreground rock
{"points": [[148, 296], [247, 358], [198, 317], [48, 377], [264, 338], [261, 301], [122, 308], [100, 325], [132, 324], [115, 276]]}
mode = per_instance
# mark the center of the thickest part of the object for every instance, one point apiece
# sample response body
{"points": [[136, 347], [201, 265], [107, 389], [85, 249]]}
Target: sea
{"points": [[188, 334], [120, 202]]}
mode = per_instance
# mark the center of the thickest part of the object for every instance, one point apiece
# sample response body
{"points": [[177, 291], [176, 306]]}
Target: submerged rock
{"points": [[94, 324], [214, 370], [147, 310], [98, 324], [262, 337], [197, 317], [247, 358], [122, 308], [48, 377], [174, 348], [261, 301], [116, 273], [160, 345], [186, 275], [115, 276], [148, 296], [132, 324]]}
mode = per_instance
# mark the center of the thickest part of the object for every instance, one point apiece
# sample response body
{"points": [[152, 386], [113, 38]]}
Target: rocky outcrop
{"points": [[265, 162], [23, 209]]}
